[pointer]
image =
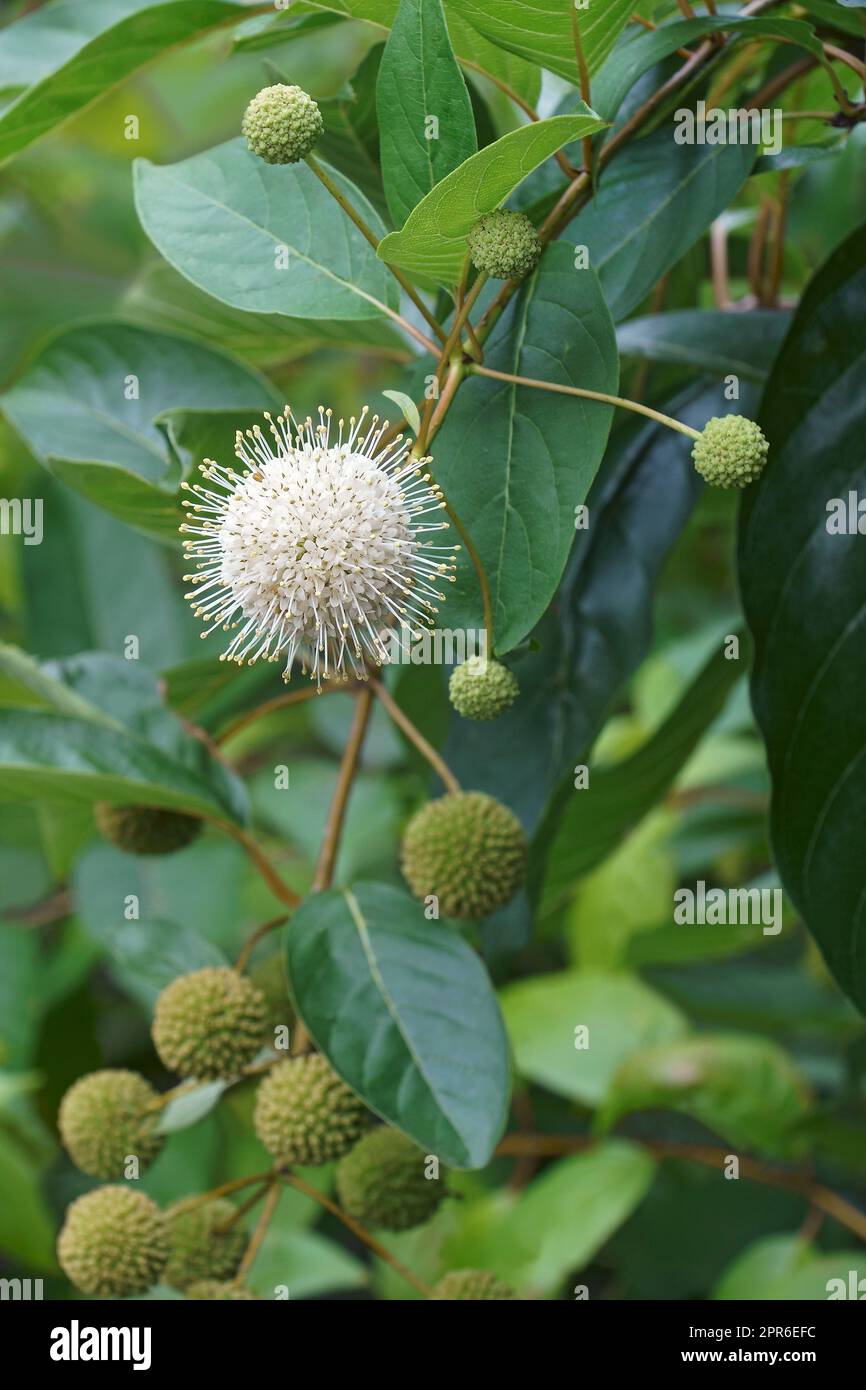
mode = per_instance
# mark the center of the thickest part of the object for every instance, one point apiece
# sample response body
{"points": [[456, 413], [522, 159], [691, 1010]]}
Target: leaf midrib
{"points": [[360, 924]]}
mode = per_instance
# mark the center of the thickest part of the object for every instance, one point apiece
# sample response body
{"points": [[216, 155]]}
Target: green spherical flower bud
{"points": [[282, 124], [146, 829], [305, 1114], [482, 689], [105, 1118], [471, 1283], [217, 1289], [381, 1182], [114, 1242], [731, 452], [504, 244], [202, 1243], [468, 850], [209, 1024], [269, 976]]}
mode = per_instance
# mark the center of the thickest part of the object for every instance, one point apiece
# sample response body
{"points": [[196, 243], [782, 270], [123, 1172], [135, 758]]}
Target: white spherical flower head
{"points": [[318, 546]]}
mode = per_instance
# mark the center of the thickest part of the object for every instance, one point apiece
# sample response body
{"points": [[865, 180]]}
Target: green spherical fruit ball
{"points": [[471, 1283], [209, 1024], [466, 849], [146, 829], [731, 452], [106, 1117], [202, 1243], [217, 1289], [305, 1114], [504, 244], [482, 689], [114, 1242], [282, 124], [381, 1182]]}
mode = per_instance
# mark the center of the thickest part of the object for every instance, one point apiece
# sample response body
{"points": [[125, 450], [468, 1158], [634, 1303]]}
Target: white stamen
{"points": [[314, 550]]}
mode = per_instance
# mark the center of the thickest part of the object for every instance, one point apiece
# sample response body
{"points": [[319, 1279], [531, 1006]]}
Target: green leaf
{"points": [[543, 33], [93, 582], [745, 1089], [639, 50], [407, 406], [150, 953], [26, 1226], [73, 52], [828, 12], [204, 887], [433, 240], [621, 1014], [26, 684], [350, 140], [787, 1267], [50, 757], [305, 1263], [557, 1225], [226, 219], [190, 1106], [471, 47], [581, 827], [515, 461], [641, 499], [803, 586], [655, 201], [164, 300], [95, 407], [298, 814], [404, 1011], [419, 78], [708, 340], [21, 968], [124, 697]]}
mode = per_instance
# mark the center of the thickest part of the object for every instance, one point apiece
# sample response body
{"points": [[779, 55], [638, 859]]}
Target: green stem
{"points": [[370, 235], [589, 396], [583, 72]]}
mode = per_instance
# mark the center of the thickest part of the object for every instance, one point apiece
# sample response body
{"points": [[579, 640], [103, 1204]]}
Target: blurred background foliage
{"points": [[788, 1050]]}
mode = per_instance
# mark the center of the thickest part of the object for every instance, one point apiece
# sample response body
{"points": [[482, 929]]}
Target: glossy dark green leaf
{"points": [[404, 1011], [640, 49], [268, 238], [580, 828], [95, 407], [708, 340], [515, 461], [419, 79], [803, 584], [71, 52], [600, 630], [51, 757], [655, 201]]}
